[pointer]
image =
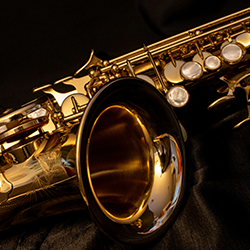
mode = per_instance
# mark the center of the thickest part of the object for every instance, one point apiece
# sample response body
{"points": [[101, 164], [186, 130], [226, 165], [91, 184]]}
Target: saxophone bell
{"points": [[131, 161]]}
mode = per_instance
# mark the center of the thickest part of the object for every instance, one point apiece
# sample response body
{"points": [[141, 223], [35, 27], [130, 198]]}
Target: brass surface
{"points": [[200, 60], [119, 163], [135, 176], [23, 130], [244, 39], [23, 150], [172, 72]]}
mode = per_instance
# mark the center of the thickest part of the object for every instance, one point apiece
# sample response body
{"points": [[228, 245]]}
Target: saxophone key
{"points": [[244, 39], [232, 53], [177, 96], [224, 101], [172, 72], [212, 63], [245, 122], [247, 92], [209, 62], [200, 60], [191, 71]]}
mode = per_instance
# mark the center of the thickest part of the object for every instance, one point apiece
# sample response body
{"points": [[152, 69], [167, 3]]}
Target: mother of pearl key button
{"points": [[212, 63], [232, 53], [191, 71]]}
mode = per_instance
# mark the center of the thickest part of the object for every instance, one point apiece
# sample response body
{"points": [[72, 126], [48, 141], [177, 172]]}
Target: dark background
{"points": [[43, 41]]}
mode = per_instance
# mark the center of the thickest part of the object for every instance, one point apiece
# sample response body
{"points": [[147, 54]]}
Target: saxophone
{"points": [[114, 144]]}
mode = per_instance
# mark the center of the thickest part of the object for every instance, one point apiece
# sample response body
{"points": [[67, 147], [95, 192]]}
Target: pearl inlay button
{"points": [[212, 63], [178, 96], [191, 71], [232, 53]]}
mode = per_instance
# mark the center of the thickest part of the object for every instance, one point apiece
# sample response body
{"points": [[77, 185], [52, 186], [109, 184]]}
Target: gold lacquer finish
{"points": [[116, 132], [120, 164]]}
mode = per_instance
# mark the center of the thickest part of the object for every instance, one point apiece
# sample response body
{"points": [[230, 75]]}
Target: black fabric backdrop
{"points": [[43, 41]]}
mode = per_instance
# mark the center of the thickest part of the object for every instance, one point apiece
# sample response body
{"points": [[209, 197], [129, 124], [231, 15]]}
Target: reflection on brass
{"points": [[119, 164], [144, 67], [78, 83], [247, 91], [74, 103], [244, 39], [135, 166], [23, 129], [93, 61], [173, 73], [201, 60], [6, 161], [21, 151], [42, 88], [233, 81], [60, 97], [223, 102], [137, 223], [5, 188]]}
